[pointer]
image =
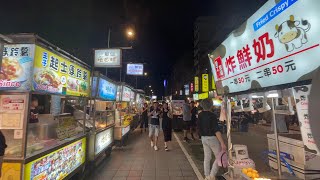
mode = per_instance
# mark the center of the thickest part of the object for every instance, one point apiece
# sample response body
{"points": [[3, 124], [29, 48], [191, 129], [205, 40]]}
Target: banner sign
{"points": [[213, 84], [17, 63], [279, 44], [191, 87], [107, 58], [107, 90], [135, 69], [196, 84], [58, 164], [186, 90], [58, 75], [301, 95], [126, 94], [205, 82], [203, 95]]}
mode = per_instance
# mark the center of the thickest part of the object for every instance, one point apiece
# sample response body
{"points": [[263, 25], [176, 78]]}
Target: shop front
{"points": [[41, 87], [124, 113], [102, 116], [263, 69]]}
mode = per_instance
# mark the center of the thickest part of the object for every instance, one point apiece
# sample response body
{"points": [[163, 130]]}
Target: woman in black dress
{"points": [[166, 124]]}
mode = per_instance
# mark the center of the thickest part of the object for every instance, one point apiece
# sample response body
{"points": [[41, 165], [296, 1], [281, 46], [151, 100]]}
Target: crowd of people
{"points": [[200, 121]]}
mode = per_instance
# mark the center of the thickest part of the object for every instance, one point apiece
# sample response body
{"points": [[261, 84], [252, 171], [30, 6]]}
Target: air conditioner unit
{"points": [[238, 107]]}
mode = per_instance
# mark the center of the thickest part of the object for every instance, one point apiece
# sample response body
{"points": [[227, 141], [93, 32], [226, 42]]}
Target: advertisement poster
{"points": [[103, 140], [58, 75], [107, 58], [58, 164], [135, 69], [107, 90], [301, 95], [12, 108], [205, 82], [196, 84], [126, 94], [279, 44], [17, 63]]}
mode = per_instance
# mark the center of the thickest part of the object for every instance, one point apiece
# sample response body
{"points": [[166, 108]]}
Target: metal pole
{"points": [[1, 51], [275, 129], [228, 122], [109, 32]]}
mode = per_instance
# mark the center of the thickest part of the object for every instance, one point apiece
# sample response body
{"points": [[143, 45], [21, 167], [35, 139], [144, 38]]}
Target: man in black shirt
{"points": [[211, 138], [154, 126], [194, 114], [34, 112]]}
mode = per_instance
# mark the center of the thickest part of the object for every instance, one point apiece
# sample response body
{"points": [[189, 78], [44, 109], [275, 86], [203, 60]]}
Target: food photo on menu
{"points": [[46, 80]]}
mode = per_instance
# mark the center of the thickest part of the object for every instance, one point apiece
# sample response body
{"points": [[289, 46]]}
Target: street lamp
{"points": [[150, 86], [146, 74], [130, 33]]}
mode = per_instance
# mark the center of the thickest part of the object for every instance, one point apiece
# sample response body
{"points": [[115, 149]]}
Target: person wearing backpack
{"points": [[3, 146]]}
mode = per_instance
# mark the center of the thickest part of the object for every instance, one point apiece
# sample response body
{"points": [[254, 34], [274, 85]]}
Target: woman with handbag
{"points": [[166, 124]]}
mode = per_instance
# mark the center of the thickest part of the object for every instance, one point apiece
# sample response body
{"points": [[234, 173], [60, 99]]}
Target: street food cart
{"points": [[123, 113], [273, 55], [41, 85], [102, 116]]}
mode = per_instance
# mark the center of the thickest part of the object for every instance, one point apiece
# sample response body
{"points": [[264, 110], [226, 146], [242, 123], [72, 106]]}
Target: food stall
{"points": [[137, 107], [40, 87], [273, 55], [102, 116], [124, 114]]}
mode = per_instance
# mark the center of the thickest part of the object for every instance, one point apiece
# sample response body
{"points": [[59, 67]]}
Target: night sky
{"points": [[164, 29]]}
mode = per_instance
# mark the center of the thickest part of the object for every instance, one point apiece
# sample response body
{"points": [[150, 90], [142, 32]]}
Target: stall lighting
{"points": [[273, 95]]}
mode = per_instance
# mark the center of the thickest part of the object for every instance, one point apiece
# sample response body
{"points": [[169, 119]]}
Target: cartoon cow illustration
{"points": [[293, 34]]}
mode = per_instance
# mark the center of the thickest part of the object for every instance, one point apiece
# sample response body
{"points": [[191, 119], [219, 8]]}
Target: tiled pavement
{"points": [[138, 161]]}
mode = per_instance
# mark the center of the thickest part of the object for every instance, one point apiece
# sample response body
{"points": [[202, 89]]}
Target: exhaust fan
{"points": [[238, 107], [247, 105]]}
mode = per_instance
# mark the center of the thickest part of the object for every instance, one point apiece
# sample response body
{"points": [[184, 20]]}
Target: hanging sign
{"points": [[191, 87], [16, 66], [301, 95], [213, 84], [107, 58], [196, 84], [205, 82], [55, 74], [279, 44]]}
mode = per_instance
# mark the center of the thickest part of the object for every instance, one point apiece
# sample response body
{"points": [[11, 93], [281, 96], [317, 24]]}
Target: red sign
{"points": [[191, 87], [219, 67]]}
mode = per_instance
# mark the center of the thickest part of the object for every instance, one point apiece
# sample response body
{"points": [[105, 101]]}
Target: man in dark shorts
{"points": [[186, 113]]}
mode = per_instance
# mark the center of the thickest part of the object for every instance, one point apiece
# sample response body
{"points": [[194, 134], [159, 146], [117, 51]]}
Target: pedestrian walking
{"points": [[154, 126], [3, 146], [186, 115], [194, 114], [211, 138], [144, 118], [166, 124]]}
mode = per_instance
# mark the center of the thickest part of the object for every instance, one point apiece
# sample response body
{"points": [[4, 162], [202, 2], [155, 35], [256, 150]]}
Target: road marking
{"points": [[193, 165]]}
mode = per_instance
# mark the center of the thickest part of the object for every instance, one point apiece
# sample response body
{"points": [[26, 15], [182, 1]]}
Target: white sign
{"points": [[186, 90], [125, 130], [126, 94], [12, 108], [279, 44], [135, 69], [107, 58], [103, 140], [301, 95]]}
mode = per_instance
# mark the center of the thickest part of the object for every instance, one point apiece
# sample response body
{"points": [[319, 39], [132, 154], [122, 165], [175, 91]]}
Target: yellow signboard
{"points": [[58, 164], [10, 171], [213, 83], [196, 84], [203, 95], [205, 82], [56, 74]]}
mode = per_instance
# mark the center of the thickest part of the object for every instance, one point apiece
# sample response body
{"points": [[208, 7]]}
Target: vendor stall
{"points": [[124, 114], [272, 57], [102, 116], [41, 85]]}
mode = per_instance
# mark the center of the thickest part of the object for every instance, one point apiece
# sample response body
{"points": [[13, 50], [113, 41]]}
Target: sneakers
{"points": [[166, 148], [152, 144], [155, 148]]}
